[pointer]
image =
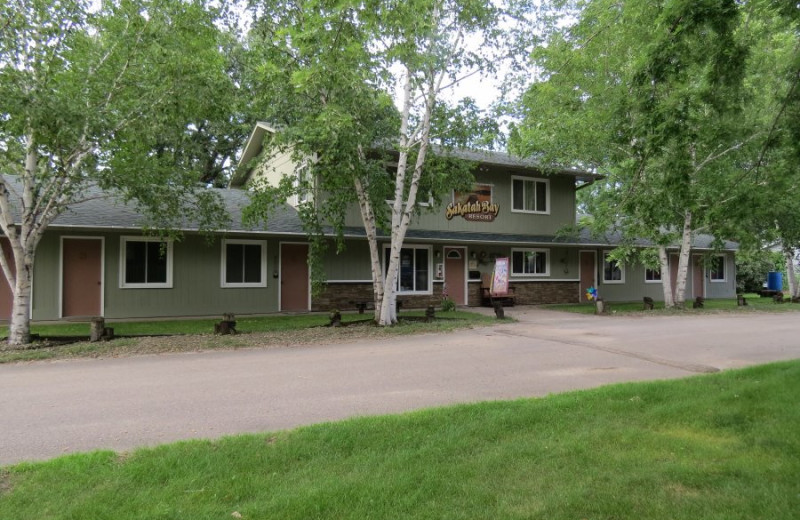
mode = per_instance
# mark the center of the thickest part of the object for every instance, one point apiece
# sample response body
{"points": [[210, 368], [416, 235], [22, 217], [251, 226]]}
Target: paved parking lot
{"points": [[53, 408]]}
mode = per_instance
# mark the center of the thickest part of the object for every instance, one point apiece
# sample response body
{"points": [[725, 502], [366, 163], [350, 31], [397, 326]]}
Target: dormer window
{"points": [[530, 195]]}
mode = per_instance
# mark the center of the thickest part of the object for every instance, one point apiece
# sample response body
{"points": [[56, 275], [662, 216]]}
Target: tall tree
{"points": [[334, 69], [111, 94], [651, 94], [763, 191]]}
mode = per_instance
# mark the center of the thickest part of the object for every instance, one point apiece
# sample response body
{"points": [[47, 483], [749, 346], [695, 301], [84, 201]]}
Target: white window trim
{"points": [[660, 277], [621, 269], [530, 275], [723, 259], [431, 273], [122, 249], [301, 172], [230, 285], [547, 195]]}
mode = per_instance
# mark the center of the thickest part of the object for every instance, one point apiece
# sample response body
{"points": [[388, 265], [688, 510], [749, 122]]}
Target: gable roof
{"points": [[255, 144], [106, 211]]}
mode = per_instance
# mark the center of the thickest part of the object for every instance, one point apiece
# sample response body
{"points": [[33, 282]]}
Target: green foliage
{"points": [[752, 268], [722, 446], [448, 305], [650, 94], [330, 74], [133, 95]]}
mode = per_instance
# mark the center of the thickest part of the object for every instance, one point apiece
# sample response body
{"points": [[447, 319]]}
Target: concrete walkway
{"points": [[53, 408]]}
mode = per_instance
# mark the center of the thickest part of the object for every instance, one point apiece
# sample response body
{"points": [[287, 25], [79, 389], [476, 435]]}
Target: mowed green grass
{"points": [[243, 324], [754, 304], [722, 446]]}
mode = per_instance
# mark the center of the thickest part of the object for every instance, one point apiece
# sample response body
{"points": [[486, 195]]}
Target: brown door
{"points": [[588, 271], [82, 283], [698, 280], [455, 274], [6, 296], [294, 277]]}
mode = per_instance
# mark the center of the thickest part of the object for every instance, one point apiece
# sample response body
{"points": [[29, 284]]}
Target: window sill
{"points": [[146, 286], [528, 212]]}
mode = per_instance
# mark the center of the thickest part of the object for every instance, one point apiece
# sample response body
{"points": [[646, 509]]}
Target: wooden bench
{"points": [[488, 298]]}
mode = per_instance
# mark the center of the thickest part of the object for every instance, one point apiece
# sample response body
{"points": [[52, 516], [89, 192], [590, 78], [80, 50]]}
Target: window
{"points": [[414, 273], [530, 195], [244, 263], [652, 275], [303, 184], [717, 273], [145, 263], [530, 262], [613, 272]]}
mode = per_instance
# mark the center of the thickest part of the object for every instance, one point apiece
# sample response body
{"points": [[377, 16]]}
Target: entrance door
{"points": [[82, 277], [294, 277], [455, 274], [698, 278], [588, 276], [6, 295]]}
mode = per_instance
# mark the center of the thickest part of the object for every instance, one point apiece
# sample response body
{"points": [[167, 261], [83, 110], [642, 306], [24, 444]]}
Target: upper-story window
{"points": [[303, 183], [613, 271], [534, 262], [717, 272], [244, 263], [146, 263], [530, 195]]}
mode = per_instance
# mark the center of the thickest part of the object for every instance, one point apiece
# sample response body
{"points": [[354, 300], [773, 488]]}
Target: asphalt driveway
{"points": [[53, 408]]}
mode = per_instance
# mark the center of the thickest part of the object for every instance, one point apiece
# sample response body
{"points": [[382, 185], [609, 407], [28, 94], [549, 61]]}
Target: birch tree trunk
{"points": [[666, 278], [794, 290], [403, 207], [19, 328], [683, 260], [368, 217]]}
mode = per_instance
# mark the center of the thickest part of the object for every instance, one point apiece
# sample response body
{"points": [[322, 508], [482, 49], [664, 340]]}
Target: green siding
{"points": [[562, 209], [46, 277], [196, 289], [635, 287], [351, 264]]}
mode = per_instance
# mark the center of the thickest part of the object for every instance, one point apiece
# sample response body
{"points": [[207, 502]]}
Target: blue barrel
{"points": [[774, 281]]}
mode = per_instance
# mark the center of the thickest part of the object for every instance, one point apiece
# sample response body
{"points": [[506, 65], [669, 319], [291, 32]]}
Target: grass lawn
{"points": [[754, 304], [193, 335], [722, 446]]}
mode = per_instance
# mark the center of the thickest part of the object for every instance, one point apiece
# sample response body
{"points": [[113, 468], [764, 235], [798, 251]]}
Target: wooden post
{"points": [[430, 313], [96, 328], [599, 306], [336, 319], [227, 325], [498, 310]]}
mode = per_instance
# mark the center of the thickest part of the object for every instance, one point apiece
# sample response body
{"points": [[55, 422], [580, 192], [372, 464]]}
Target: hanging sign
{"points": [[475, 205]]}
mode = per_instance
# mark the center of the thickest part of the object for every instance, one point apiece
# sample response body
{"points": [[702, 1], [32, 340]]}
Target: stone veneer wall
{"points": [[534, 293], [342, 295]]}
